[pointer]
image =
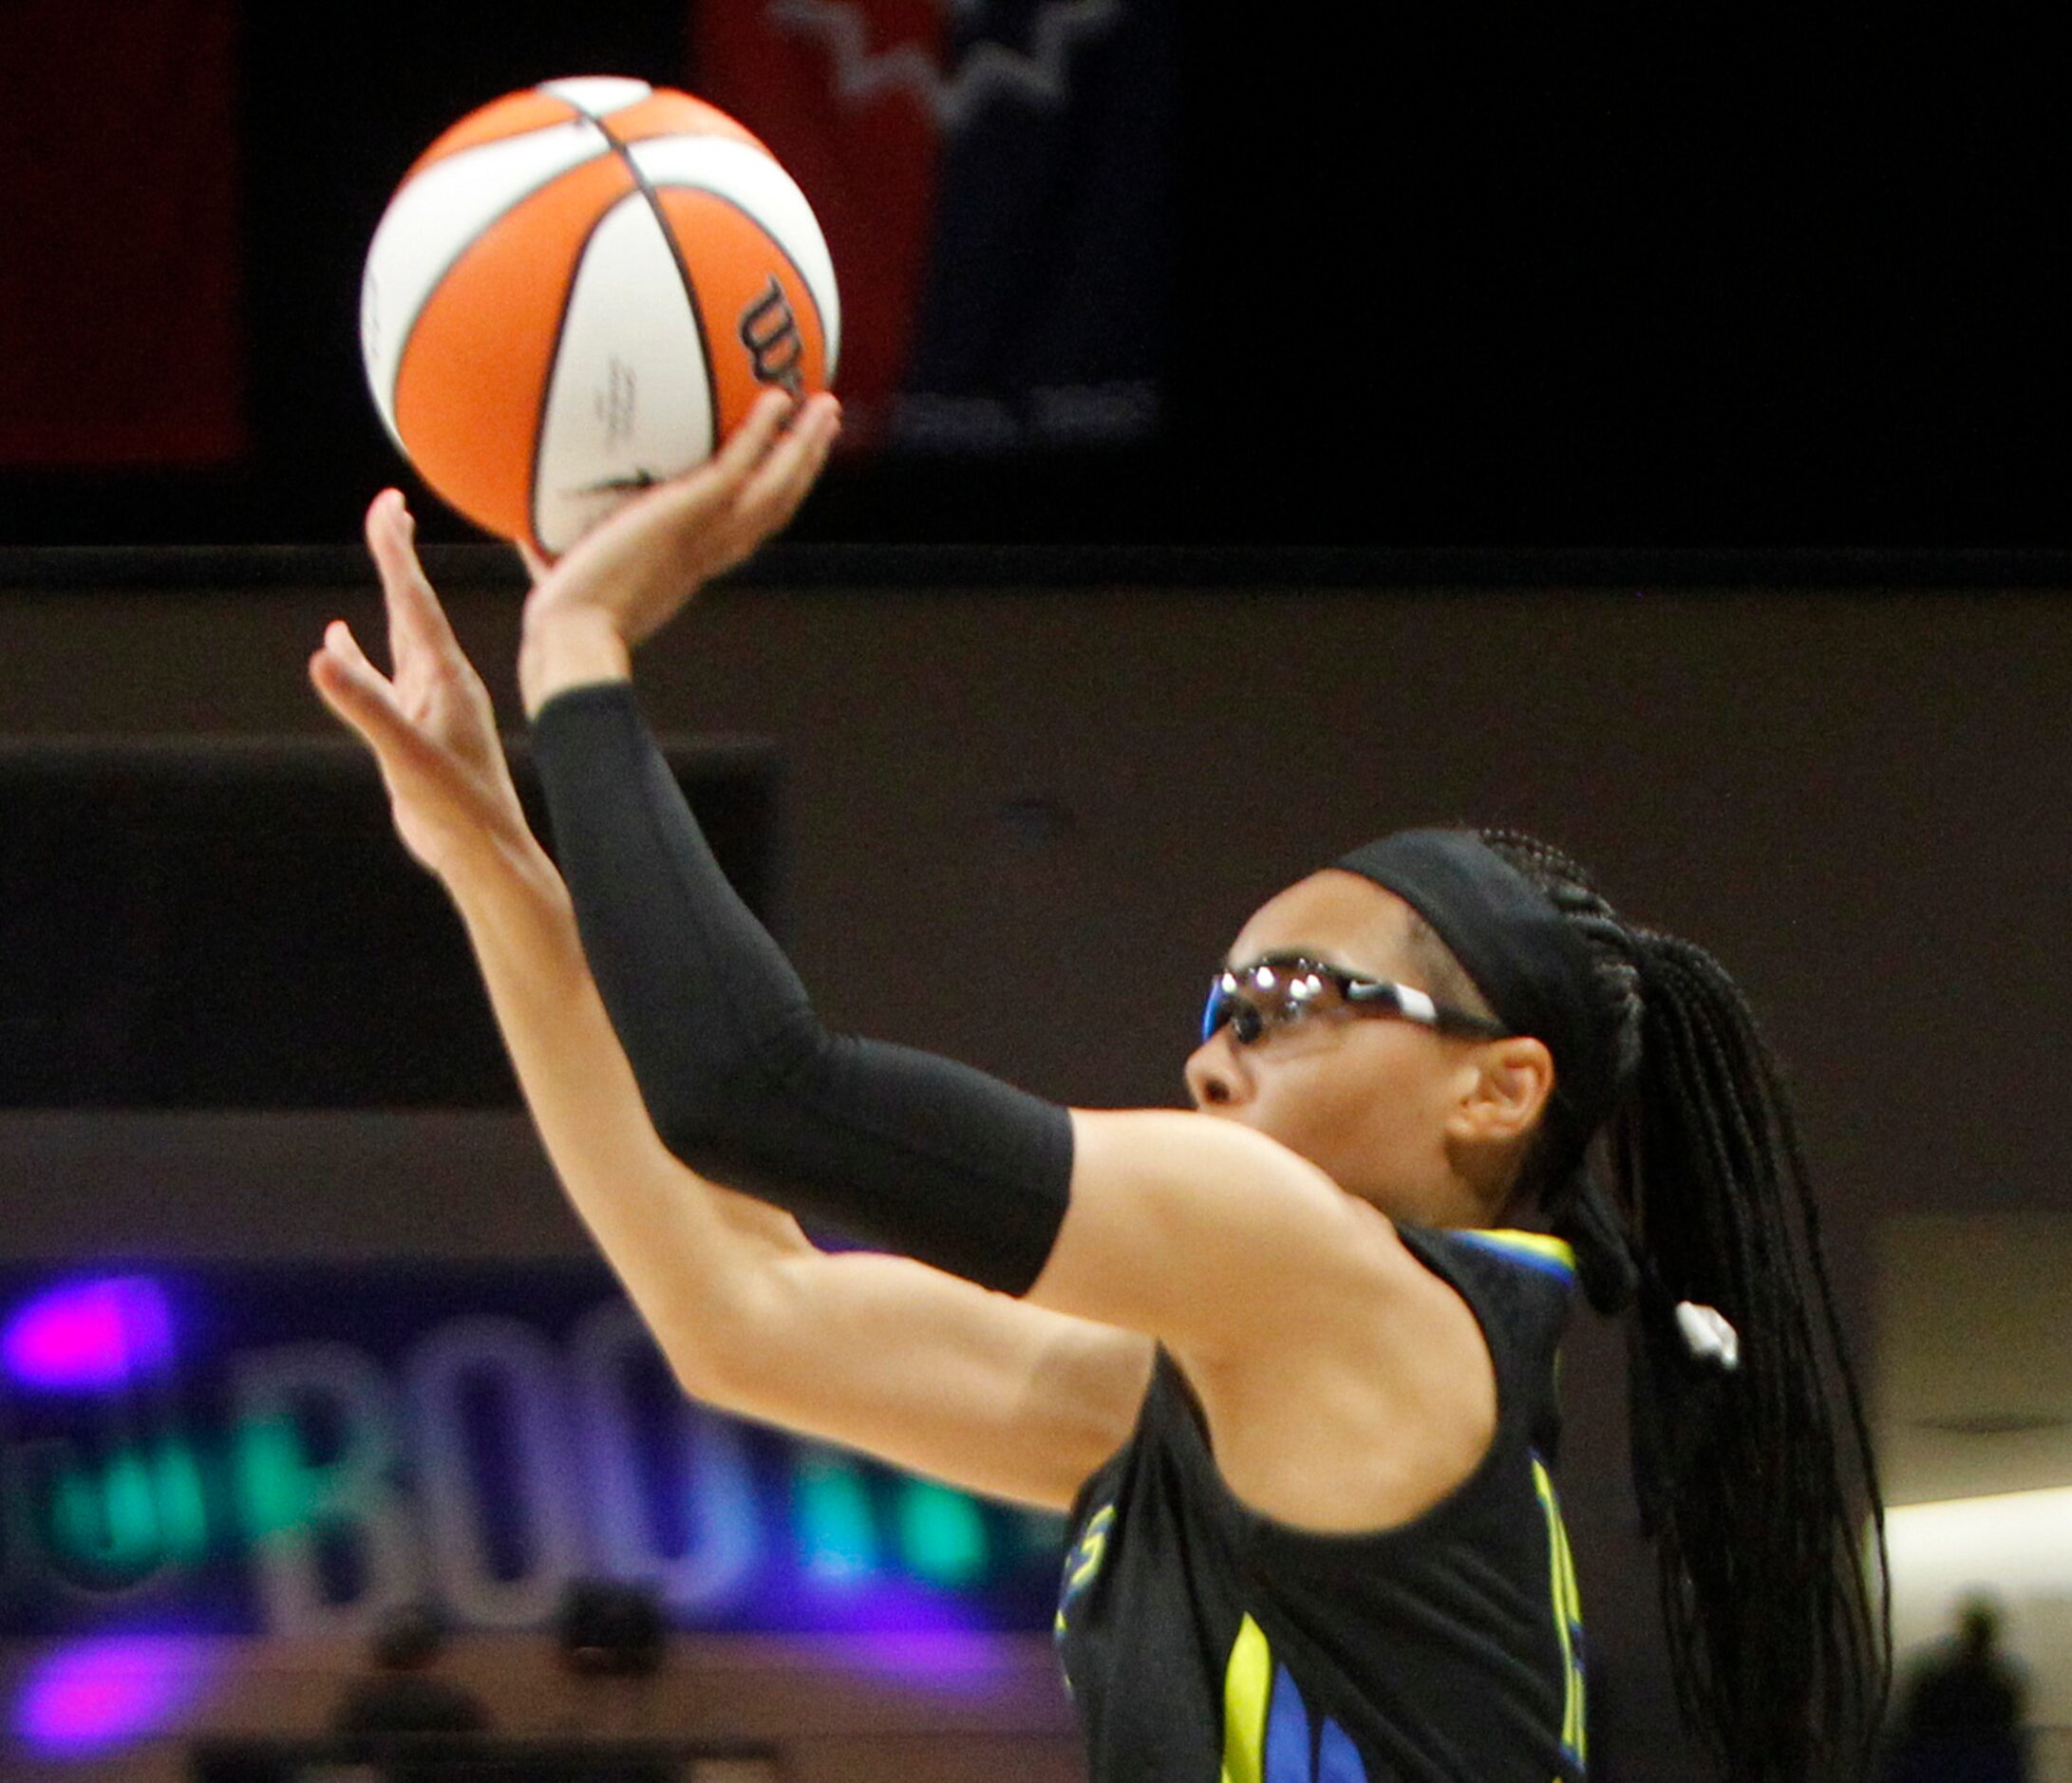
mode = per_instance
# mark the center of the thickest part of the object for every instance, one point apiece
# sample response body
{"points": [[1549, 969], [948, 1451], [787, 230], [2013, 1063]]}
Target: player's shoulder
{"points": [[1506, 1274], [1522, 1288], [1219, 1239]]}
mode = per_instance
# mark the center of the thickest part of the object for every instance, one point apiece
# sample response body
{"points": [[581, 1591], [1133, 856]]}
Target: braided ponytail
{"points": [[1749, 1483]]}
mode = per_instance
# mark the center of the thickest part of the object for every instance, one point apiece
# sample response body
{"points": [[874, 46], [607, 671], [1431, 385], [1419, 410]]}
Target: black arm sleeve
{"points": [[899, 1148]]}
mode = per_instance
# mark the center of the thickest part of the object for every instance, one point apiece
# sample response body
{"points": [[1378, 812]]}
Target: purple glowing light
{"points": [[95, 1334], [91, 1696], [955, 1663], [895, 1619]]}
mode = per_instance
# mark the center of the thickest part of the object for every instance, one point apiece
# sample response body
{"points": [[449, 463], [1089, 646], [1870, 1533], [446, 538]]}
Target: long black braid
{"points": [[1750, 1483]]}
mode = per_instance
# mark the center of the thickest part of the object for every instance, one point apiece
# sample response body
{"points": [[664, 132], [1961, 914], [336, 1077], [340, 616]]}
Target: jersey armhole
{"points": [[1102, 1474]]}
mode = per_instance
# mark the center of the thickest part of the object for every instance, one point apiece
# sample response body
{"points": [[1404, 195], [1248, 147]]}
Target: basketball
{"points": [[580, 290]]}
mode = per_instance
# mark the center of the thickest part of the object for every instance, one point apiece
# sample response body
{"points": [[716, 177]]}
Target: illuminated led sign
{"points": [[293, 1450]]}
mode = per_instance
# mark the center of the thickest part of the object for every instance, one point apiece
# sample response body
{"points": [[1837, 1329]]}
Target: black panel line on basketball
{"points": [[770, 235], [683, 272], [554, 362], [481, 229]]}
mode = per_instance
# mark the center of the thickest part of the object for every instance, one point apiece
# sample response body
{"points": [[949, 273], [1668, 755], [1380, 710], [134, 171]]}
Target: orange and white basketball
{"points": [[580, 290]]}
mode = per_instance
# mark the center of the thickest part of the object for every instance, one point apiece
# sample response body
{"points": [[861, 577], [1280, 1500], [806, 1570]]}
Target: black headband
{"points": [[1524, 957]]}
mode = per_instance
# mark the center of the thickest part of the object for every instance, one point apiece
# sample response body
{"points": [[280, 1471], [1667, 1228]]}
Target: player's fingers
{"points": [[752, 441], [816, 451], [389, 541], [339, 641], [788, 501], [366, 698], [785, 459], [783, 478], [781, 482], [352, 696], [358, 694], [415, 617], [685, 506]]}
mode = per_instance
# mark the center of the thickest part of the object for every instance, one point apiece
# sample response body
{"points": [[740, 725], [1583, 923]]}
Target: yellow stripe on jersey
{"points": [[1083, 1564], [1568, 1616], [1092, 1550], [1246, 1682], [1532, 1243]]}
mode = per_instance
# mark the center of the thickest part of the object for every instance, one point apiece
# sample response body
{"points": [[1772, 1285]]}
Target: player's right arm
{"points": [[883, 1354]]}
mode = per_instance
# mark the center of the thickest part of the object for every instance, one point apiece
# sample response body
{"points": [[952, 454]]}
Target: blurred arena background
{"points": [[1269, 431]]}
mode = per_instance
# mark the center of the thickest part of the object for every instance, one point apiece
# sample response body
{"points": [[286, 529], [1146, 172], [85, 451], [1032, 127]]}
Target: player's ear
{"points": [[1504, 1091]]}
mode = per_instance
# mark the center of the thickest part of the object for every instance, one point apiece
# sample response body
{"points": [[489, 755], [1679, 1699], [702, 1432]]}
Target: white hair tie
{"points": [[1708, 1336]]}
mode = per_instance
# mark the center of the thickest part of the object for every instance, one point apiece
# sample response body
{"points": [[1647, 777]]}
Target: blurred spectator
{"points": [[1960, 1719]]}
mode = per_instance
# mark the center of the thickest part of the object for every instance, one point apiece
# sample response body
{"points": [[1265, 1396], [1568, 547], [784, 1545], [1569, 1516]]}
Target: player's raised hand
{"points": [[630, 575], [428, 721]]}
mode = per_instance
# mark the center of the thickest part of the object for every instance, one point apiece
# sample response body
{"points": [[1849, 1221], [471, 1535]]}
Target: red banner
{"points": [[868, 168], [120, 333], [995, 181]]}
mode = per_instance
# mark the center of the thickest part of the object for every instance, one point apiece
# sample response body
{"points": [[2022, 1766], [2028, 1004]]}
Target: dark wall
{"points": [[1685, 281], [1020, 826]]}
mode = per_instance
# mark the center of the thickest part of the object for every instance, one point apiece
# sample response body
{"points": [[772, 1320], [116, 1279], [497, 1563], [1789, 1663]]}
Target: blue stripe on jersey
{"points": [[1536, 1250], [1338, 1760], [1287, 1733]]}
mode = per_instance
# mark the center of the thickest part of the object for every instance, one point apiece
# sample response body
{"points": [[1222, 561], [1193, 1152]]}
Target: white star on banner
{"points": [[988, 71]]}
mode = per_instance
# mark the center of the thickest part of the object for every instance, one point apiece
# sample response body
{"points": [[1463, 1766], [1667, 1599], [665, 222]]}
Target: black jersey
{"points": [[1204, 1643]]}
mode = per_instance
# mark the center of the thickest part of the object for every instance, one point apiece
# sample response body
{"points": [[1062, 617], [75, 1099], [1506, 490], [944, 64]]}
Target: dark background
{"points": [[1707, 282], [130, 980]]}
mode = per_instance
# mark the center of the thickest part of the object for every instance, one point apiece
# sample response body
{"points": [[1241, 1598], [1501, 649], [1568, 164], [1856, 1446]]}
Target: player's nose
{"points": [[1217, 1075]]}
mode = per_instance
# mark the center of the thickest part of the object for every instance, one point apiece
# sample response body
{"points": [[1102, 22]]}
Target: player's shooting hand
{"points": [[429, 722], [632, 575]]}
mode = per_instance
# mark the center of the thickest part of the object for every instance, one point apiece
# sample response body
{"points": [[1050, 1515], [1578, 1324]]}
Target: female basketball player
{"points": [[1279, 1355]]}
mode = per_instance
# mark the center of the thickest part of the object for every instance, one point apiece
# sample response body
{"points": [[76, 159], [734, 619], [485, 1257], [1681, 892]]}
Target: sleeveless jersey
{"points": [[1204, 1643]]}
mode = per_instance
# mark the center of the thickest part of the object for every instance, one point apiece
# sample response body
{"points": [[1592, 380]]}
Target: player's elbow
{"points": [[731, 1358], [734, 1116], [695, 1143]]}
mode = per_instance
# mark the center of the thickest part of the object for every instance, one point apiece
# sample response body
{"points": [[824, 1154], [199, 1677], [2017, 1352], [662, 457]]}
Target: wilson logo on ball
{"points": [[770, 332]]}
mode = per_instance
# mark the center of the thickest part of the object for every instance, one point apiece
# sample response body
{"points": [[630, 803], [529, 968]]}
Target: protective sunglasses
{"points": [[1280, 989]]}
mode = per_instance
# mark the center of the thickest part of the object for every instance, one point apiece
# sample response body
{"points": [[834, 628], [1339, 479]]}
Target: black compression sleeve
{"points": [[896, 1148]]}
